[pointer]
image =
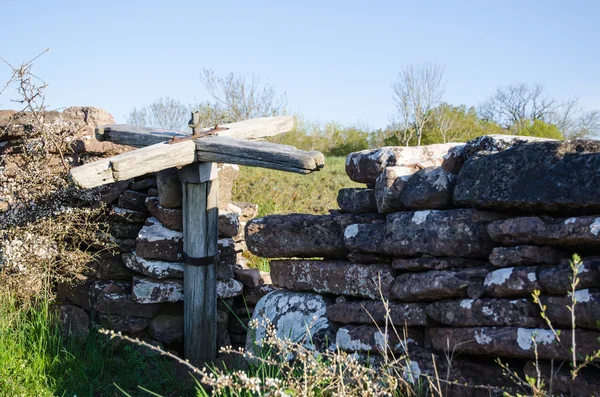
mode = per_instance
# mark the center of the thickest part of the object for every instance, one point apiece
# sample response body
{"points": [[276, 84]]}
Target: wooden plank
{"points": [[209, 149], [200, 215], [131, 135], [152, 159], [92, 175], [258, 154]]}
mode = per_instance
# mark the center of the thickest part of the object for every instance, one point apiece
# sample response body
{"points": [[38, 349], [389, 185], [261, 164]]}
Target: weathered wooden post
{"points": [[196, 156], [200, 187]]}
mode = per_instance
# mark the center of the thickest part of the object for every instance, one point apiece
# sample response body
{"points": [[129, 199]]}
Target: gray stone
{"points": [[169, 188], [249, 210], [229, 221], [512, 342], [74, 321], [108, 266], [295, 316], [124, 230], [124, 304], [166, 328], [566, 181], [376, 312], [251, 278], [448, 233], [513, 282], [587, 309], [433, 263], [147, 290], [557, 279], [524, 255], [124, 215], [333, 277], [370, 338], [361, 257], [303, 236], [126, 324], [157, 242], [582, 232], [228, 173], [389, 186], [365, 166], [365, 238], [152, 268], [485, 312], [357, 200], [133, 200], [436, 284], [143, 184], [171, 218], [429, 188], [85, 290], [251, 296]]}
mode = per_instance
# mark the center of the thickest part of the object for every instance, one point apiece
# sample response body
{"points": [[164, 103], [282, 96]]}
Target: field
{"points": [[278, 192]]}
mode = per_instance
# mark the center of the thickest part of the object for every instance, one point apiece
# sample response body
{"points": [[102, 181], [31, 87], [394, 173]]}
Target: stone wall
{"points": [[136, 288], [455, 239]]}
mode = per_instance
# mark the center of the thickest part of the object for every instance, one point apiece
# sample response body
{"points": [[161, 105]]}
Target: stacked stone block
{"points": [[454, 239]]}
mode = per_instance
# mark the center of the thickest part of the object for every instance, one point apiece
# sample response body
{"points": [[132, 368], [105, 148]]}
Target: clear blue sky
{"points": [[334, 59]]}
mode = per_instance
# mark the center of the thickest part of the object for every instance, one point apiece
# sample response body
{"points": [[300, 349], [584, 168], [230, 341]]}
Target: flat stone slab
{"points": [[357, 200], [513, 342], [485, 312], [333, 277], [513, 282], [574, 232], [148, 290], [302, 236], [366, 165], [124, 215], [296, 316], [370, 338], [123, 304], [587, 309], [374, 312], [448, 233], [432, 263], [557, 279], [565, 175], [525, 255], [152, 268], [436, 284], [155, 241]]}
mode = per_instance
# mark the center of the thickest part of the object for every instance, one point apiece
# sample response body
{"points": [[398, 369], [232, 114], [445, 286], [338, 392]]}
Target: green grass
{"points": [[278, 192], [35, 361]]}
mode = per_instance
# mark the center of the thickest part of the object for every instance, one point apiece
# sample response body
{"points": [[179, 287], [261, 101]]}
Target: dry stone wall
{"points": [[138, 288], [449, 242]]}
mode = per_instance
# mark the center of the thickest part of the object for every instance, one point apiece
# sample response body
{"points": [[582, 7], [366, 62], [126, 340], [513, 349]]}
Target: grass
{"points": [[278, 192], [36, 361]]}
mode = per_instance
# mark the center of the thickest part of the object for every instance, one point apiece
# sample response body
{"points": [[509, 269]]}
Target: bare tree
{"points": [[165, 112], [444, 121], [418, 89], [512, 105], [237, 98]]}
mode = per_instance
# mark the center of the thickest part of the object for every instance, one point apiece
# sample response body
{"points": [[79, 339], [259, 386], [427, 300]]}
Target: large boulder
{"points": [[366, 165], [333, 277], [581, 232], [563, 172], [295, 316], [303, 236], [448, 233]]}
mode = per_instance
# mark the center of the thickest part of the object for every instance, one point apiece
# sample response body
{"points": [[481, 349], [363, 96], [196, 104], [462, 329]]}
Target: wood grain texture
{"points": [[258, 154], [136, 136], [92, 175], [200, 229]]}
